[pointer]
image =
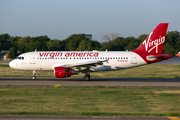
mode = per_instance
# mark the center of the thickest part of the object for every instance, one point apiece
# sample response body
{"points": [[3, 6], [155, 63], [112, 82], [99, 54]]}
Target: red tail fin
{"points": [[155, 41]]}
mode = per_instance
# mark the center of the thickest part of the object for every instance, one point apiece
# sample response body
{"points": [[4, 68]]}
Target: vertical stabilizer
{"points": [[155, 41]]}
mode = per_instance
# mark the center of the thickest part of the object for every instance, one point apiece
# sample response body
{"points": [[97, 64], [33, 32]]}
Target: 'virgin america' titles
{"points": [[153, 43], [52, 55], [69, 54]]}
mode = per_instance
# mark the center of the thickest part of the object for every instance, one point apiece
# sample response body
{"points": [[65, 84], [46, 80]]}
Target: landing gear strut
{"points": [[87, 77], [33, 77]]}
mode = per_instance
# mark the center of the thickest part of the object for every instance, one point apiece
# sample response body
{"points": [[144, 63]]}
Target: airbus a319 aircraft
{"points": [[67, 63]]}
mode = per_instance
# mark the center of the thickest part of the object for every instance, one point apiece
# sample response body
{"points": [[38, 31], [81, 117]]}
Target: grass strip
{"points": [[147, 71], [4, 65], [90, 100]]}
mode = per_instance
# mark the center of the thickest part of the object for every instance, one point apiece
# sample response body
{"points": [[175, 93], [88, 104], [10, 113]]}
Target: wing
{"points": [[83, 65]]}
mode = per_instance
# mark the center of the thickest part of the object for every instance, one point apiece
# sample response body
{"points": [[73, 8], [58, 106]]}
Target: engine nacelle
{"points": [[62, 72]]}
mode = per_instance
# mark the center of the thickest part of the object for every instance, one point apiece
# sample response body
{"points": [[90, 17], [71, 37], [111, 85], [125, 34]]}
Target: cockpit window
{"points": [[20, 58]]}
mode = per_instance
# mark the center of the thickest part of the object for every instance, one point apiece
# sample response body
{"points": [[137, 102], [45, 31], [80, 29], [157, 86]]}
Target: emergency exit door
{"points": [[32, 58]]}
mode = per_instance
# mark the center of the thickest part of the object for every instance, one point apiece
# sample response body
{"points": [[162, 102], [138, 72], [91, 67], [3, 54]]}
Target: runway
{"points": [[117, 82]]}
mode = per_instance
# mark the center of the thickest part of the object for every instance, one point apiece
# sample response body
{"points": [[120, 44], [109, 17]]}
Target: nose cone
{"points": [[12, 64]]}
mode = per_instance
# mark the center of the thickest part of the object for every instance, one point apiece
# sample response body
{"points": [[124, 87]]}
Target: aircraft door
{"points": [[32, 58], [133, 58]]}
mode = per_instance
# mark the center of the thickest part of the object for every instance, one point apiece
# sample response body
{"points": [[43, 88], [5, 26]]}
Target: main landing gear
{"points": [[87, 76], [33, 77]]}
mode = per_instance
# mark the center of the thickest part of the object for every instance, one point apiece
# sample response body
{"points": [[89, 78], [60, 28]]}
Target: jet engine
{"points": [[62, 72]]}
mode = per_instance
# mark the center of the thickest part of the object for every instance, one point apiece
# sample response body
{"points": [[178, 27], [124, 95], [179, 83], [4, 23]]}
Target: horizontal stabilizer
{"points": [[153, 57]]}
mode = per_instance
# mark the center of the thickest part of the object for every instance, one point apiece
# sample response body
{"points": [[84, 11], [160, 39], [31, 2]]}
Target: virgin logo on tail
{"points": [[155, 41], [152, 44]]}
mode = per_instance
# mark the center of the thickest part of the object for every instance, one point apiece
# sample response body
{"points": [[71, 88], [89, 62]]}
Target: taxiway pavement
{"points": [[117, 82]]}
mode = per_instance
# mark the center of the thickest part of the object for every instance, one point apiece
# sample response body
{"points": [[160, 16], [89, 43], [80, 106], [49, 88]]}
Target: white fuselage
{"points": [[47, 60]]}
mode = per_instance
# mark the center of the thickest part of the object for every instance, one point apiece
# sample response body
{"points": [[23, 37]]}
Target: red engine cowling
{"points": [[62, 72]]}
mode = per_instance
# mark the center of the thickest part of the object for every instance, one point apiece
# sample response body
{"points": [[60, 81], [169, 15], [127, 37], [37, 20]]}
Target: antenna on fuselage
{"points": [[35, 50], [106, 50]]}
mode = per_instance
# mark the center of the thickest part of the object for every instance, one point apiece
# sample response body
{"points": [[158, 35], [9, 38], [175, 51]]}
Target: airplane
{"points": [[67, 63]]}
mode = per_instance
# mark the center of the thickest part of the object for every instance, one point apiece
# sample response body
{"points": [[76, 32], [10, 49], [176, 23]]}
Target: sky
{"points": [[58, 19]]}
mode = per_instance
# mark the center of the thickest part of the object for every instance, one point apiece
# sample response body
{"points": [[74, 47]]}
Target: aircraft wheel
{"points": [[33, 77], [87, 77]]}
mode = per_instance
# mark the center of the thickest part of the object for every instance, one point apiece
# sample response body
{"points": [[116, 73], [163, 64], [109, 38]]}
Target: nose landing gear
{"points": [[33, 77]]}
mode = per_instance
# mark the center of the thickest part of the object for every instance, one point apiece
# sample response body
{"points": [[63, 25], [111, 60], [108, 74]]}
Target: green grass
{"points": [[4, 65], [147, 71], [88, 100]]}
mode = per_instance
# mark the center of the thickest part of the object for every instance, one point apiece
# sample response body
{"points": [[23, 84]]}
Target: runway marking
{"points": [[174, 118], [57, 85]]}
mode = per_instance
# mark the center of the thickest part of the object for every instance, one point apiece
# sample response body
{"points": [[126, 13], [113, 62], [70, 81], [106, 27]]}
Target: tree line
{"points": [[78, 42]]}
